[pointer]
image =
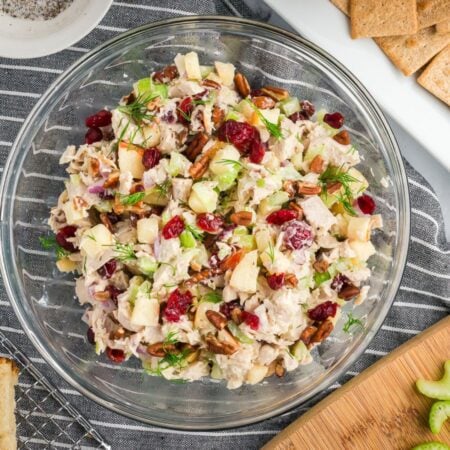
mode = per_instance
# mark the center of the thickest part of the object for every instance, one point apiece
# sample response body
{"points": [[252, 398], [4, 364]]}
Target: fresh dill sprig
{"points": [[185, 116], [335, 174], [211, 297], [238, 165], [271, 252], [137, 109], [171, 338], [351, 321], [196, 232], [163, 189], [124, 252], [272, 128], [49, 243], [132, 199]]}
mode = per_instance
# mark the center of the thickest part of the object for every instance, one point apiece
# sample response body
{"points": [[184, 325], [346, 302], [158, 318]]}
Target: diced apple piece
{"points": [[263, 239], [225, 72], [151, 135], [145, 312], [357, 187], [130, 159], [246, 109], [256, 374], [201, 322], [66, 265], [245, 275], [179, 62], [181, 187], [363, 250], [96, 240], [192, 65], [203, 198], [73, 213], [221, 163], [272, 115], [358, 228], [147, 230]]}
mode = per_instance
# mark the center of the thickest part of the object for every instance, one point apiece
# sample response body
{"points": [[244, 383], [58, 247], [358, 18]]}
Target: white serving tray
{"points": [[426, 118]]}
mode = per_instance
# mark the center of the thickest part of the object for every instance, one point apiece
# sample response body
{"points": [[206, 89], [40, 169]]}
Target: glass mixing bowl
{"points": [[44, 300]]}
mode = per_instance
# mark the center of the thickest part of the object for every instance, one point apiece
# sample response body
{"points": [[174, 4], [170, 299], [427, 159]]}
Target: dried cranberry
{"points": [[184, 110], [250, 319], [100, 119], [90, 336], [227, 308], [173, 228], [257, 151], [200, 95], [115, 355], [93, 135], [151, 158], [256, 93], [108, 269], [113, 292], [323, 311], [366, 204], [209, 222], [297, 235], [281, 216], [339, 281], [307, 108], [177, 305], [276, 281], [335, 120], [113, 218], [298, 116], [63, 234], [240, 134]]}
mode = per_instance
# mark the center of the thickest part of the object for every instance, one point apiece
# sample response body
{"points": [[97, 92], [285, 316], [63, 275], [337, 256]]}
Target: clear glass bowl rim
{"points": [[8, 186]]}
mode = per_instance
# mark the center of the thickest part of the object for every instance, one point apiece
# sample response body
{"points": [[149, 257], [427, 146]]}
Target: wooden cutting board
{"points": [[380, 408]]}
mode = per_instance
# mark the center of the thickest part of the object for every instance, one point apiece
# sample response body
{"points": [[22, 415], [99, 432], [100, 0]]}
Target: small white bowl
{"points": [[20, 38]]}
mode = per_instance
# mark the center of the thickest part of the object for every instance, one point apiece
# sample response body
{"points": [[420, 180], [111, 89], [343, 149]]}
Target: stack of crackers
{"points": [[411, 33], [8, 379]]}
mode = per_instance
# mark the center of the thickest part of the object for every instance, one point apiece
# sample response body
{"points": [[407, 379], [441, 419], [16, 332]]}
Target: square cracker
{"points": [[443, 27], [343, 5], [436, 76], [410, 53], [371, 18], [431, 12]]}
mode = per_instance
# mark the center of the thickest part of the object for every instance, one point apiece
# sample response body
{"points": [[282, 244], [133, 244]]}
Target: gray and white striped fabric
{"points": [[423, 298]]}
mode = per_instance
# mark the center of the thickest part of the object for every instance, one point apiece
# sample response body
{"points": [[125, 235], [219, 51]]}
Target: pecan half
{"points": [[296, 207], [197, 169], [102, 296], [309, 189], [236, 315], [195, 266], [211, 84], [276, 93], [242, 84], [217, 116], [280, 371], [323, 331], [230, 262], [160, 349], [263, 102], [307, 334], [104, 219], [112, 180], [349, 291], [321, 265], [291, 279], [202, 276], [220, 347], [196, 146], [166, 74], [94, 166], [217, 319], [343, 137], [317, 164], [290, 187], [333, 187], [242, 218]]}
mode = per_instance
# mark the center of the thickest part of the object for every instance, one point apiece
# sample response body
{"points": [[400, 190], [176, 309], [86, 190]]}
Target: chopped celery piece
{"points": [[261, 183], [206, 70], [437, 389], [135, 282], [147, 88], [177, 164], [320, 278], [239, 334], [147, 265], [240, 231], [232, 115], [212, 297], [290, 106], [226, 180], [439, 413], [216, 373], [299, 351], [273, 202], [312, 152], [187, 239], [247, 242]]}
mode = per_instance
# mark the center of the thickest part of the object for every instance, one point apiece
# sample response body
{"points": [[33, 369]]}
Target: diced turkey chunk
{"points": [[317, 214]]}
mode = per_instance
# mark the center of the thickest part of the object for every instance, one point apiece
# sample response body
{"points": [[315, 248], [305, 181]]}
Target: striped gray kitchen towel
{"points": [[423, 298]]}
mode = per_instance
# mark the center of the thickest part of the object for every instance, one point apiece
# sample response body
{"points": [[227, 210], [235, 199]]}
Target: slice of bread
{"points": [[431, 12], [9, 374]]}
